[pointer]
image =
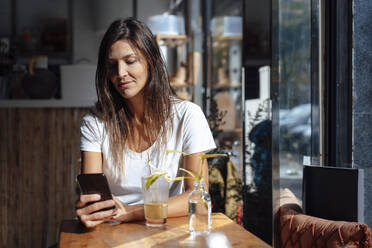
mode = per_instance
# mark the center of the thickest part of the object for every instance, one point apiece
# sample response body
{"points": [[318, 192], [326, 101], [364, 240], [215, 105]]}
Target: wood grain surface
{"points": [[175, 234], [39, 161]]}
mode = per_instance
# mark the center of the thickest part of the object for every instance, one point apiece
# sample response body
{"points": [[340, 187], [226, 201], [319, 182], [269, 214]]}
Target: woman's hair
{"points": [[111, 107]]}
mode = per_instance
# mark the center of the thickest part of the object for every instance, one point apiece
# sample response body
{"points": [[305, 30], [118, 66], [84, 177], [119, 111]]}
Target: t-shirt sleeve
{"points": [[90, 134], [197, 134]]}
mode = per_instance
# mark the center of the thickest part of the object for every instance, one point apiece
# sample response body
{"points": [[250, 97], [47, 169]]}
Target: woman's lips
{"points": [[124, 84]]}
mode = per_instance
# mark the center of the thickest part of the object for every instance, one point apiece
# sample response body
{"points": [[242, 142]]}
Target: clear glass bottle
{"points": [[200, 210]]}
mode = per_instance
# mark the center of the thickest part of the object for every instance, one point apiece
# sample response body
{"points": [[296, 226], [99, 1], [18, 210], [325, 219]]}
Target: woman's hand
{"points": [[90, 215], [126, 213]]}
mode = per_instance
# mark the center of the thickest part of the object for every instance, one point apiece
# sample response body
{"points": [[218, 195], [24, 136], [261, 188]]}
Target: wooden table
{"points": [[175, 234]]}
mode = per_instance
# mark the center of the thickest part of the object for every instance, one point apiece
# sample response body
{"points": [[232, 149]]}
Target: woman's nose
{"points": [[122, 69]]}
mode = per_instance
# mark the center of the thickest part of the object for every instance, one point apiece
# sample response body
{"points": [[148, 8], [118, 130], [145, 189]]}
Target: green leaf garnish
{"points": [[152, 178], [174, 151], [195, 176], [176, 178]]}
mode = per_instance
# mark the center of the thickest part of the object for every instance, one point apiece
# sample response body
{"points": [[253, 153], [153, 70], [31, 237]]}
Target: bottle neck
{"points": [[199, 185]]}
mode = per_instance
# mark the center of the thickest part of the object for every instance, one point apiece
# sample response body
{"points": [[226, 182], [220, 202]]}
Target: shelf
{"points": [[171, 36], [172, 40]]}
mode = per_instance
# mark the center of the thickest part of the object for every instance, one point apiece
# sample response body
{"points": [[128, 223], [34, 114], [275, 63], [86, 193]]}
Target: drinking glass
{"points": [[156, 202]]}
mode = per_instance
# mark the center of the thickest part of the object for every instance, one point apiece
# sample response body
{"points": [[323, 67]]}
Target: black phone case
{"points": [[95, 184]]}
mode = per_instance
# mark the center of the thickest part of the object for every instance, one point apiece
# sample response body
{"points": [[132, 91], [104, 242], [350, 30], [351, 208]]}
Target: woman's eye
{"points": [[131, 61]]}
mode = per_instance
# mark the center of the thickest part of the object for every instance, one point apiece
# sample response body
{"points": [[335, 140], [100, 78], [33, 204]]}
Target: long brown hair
{"points": [[111, 107]]}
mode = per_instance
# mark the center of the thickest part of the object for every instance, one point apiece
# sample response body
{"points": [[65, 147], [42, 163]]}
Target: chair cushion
{"points": [[300, 230]]}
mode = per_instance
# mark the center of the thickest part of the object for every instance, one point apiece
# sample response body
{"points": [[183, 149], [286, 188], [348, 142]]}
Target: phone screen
{"points": [[95, 184]]}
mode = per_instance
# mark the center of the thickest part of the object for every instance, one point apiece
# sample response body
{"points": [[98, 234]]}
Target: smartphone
{"points": [[95, 183]]}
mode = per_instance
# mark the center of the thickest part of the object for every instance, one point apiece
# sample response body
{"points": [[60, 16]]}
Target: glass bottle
{"points": [[200, 210]]}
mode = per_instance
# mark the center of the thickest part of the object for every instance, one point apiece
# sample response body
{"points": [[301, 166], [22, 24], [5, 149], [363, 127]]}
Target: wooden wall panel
{"points": [[39, 161]]}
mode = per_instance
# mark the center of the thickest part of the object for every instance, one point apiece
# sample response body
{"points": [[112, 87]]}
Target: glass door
{"points": [[298, 89]]}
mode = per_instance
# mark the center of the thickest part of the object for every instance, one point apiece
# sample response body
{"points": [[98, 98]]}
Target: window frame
{"points": [[337, 95]]}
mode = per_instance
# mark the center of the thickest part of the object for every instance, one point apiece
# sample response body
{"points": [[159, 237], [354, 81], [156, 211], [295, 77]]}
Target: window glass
{"points": [[294, 91]]}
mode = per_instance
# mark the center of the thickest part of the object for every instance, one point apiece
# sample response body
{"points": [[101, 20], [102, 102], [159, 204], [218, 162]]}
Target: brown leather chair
{"points": [[295, 229]]}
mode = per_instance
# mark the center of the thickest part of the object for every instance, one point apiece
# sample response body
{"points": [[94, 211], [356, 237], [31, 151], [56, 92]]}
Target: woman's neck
{"points": [[136, 105]]}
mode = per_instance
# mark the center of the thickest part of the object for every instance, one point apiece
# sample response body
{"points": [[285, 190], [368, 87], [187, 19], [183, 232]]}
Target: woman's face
{"points": [[127, 69]]}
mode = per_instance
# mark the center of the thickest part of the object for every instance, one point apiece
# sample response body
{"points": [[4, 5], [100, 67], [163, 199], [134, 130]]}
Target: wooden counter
{"points": [[224, 231]]}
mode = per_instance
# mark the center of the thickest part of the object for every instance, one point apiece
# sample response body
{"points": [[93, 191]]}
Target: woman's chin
{"points": [[128, 95]]}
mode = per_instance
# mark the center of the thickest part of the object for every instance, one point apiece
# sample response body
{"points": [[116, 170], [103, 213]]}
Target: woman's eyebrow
{"points": [[129, 55], [125, 56]]}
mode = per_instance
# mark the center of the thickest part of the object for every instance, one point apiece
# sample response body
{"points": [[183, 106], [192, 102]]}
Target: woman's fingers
{"points": [[84, 199], [117, 202], [90, 218], [98, 216], [95, 207]]}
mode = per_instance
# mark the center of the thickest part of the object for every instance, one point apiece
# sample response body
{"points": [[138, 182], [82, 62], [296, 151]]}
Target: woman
{"points": [[137, 118]]}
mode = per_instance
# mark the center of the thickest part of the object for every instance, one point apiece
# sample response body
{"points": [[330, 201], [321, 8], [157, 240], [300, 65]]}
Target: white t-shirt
{"points": [[190, 134]]}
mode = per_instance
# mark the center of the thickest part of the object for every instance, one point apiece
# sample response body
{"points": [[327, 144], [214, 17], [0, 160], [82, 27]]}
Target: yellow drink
{"points": [[156, 213]]}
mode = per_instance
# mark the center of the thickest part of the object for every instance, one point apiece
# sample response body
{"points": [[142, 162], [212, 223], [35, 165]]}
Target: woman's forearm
{"points": [[178, 205], [137, 212]]}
